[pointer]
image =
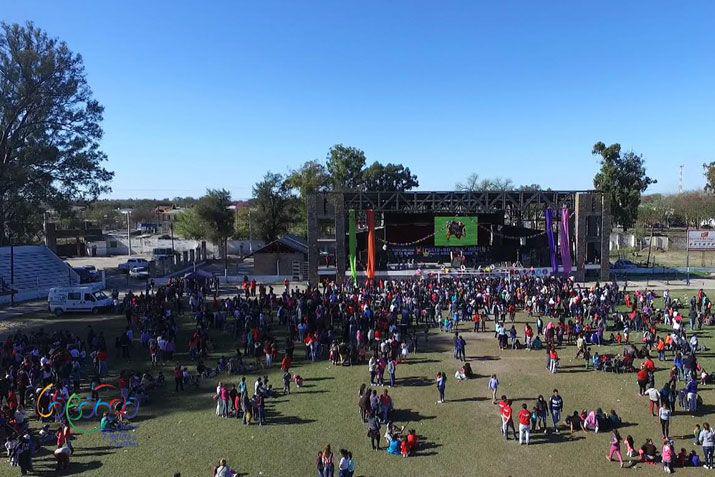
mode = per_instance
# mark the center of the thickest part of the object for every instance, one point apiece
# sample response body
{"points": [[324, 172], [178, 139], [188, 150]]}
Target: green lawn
{"points": [[181, 432]]}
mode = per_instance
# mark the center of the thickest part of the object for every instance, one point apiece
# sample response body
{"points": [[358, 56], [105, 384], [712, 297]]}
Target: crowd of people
{"points": [[378, 326]]}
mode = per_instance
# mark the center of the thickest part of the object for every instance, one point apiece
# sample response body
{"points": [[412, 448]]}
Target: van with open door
{"points": [[77, 299]]}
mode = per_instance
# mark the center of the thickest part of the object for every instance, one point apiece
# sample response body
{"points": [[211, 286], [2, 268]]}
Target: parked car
{"points": [[86, 274], [139, 273], [134, 263], [77, 299]]}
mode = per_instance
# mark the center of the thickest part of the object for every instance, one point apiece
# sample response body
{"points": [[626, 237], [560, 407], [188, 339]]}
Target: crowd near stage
{"points": [[358, 235]]}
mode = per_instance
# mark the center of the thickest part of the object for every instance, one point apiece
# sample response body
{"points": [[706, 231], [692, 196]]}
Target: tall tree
{"points": [[345, 166], [214, 211], [190, 226], [624, 178], [709, 173], [309, 178], [474, 183], [389, 177], [274, 207], [49, 130]]}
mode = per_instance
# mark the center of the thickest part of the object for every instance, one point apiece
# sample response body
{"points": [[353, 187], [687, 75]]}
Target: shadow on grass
{"points": [[417, 381], [573, 369], [421, 361], [275, 417], [75, 468], [408, 415], [485, 358], [424, 449], [539, 439], [470, 399]]}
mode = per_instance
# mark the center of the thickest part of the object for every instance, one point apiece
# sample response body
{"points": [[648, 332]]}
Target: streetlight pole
{"points": [[128, 213], [129, 234]]}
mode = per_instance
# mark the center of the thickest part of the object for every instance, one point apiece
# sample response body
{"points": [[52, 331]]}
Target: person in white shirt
{"points": [[223, 470], [664, 416], [654, 398]]}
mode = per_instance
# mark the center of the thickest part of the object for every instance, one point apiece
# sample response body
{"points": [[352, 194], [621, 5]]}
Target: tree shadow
{"points": [[485, 358], [324, 378]]}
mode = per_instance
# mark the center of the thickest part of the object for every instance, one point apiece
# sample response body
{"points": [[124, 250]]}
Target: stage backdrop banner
{"points": [[455, 231], [565, 241], [371, 250], [552, 241]]}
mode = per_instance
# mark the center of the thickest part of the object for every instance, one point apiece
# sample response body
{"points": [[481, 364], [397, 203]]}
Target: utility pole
{"points": [[128, 213], [250, 240], [171, 228], [129, 234], [680, 181]]}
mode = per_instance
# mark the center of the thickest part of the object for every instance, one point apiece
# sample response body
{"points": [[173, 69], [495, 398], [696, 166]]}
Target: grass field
{"points": [[667, 258], [180, 432]]}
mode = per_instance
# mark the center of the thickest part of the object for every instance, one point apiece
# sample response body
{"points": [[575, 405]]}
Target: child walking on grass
{"points": [[494, 385]]}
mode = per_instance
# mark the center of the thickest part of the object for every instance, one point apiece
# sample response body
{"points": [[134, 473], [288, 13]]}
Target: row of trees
{"points": [[687, 209], [278, 200], [278, 204]]}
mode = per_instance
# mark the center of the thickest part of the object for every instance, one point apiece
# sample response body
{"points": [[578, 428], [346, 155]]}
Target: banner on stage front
{"points": [[701, 240], [455, 231]]}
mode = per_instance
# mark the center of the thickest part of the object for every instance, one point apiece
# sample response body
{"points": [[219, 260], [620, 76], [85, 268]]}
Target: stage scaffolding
{"points": [[591, 227]]}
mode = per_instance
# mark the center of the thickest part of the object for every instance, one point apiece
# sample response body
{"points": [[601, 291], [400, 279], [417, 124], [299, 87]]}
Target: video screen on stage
{"points": [[455, 231]]}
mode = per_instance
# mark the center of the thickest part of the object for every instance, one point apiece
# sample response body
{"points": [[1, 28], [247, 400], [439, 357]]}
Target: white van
{"points": [[81, 299]]}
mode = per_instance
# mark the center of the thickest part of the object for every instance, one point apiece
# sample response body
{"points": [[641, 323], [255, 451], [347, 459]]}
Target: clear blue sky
{"points": [[213, 94]]}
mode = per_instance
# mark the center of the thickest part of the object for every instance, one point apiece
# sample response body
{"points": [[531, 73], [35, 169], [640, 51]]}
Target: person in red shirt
{"points": [[649, 365], [178, 378], [642, 378], [553, 360], [524, 424], [501, 404], [507, 420]]}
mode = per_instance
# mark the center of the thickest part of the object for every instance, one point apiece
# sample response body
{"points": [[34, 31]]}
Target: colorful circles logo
{"points": [[77, 408]]}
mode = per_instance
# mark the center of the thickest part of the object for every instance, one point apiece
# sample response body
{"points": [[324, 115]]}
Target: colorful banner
{"points": [[352, 245], [565, 241], [552, 242], [455, 231], [371, 251]]}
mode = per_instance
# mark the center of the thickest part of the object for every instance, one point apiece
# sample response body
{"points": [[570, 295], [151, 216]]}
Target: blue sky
{"points": [[213, 94]]}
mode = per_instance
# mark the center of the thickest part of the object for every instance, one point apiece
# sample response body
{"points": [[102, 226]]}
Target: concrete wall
{"points": [[619, 240]]}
